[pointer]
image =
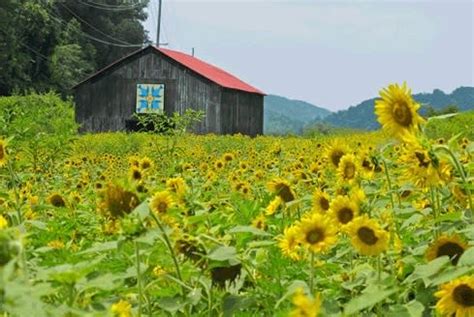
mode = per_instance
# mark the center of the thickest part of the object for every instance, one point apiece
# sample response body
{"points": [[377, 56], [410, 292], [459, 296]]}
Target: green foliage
{"points": [[447, 127], [321, 128], [67, 64], [42, 125], [432, 112], [54, 44], [160, 123]]}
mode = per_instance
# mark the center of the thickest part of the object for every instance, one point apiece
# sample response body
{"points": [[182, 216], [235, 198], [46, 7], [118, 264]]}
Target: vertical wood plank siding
{"points": [[106, 102]]}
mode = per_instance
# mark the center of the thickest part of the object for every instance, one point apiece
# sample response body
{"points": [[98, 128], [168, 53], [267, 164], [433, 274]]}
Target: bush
{"points": [[41, 125], [446, 127]]}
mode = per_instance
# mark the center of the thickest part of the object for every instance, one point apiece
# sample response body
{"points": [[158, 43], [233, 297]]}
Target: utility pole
{"points": [[158, 27]]}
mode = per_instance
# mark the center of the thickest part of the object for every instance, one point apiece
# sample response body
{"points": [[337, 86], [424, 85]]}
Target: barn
{"points": [[156, 79]]}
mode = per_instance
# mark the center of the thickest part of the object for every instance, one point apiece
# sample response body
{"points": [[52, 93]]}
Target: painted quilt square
{"points": [[150, 98]]}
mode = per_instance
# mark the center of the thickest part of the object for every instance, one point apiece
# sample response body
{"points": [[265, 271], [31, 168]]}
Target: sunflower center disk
{"points": [[402, 114], [314, 236], [451, 249], [349, 171], [345, 215], [464, 295], [336, 156], [422, 160], [162, 206], [367, 236], [2, 152], [285, 193], [324, 203]]}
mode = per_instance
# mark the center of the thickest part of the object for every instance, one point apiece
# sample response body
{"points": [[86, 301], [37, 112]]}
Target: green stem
{"points": [[170, 248], [389, 182], [311, 273], [460, 170], [434, 208], [14, 179], [379, 268], [71, 294], [390, 188], [139, 279]]}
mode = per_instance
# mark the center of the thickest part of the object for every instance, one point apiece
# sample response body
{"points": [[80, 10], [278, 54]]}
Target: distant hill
{"points": [[283, 115], [362, 116]]}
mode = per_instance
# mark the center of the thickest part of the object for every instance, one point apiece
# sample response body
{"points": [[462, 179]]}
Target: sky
{"points": [[333, 54]]}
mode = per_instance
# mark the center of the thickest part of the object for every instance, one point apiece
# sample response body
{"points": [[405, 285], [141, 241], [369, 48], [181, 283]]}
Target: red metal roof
{"points": [[211, 72], [204, 69]]}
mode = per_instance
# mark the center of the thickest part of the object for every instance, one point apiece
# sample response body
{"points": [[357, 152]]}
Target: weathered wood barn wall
{"points": [[106, 101]]}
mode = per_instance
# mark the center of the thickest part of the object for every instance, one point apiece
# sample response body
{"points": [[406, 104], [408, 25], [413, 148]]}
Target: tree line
{"points": [[53, 44]]}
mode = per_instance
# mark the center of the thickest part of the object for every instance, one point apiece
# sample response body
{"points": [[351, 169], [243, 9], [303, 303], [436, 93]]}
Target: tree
{"points": [[53, 44]]}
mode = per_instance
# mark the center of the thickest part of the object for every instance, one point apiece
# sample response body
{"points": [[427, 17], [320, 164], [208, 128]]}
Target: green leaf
{"points": [[233, 303], [415, 308], [223, 254], [171, 304], [291, 290], [105, 282], [194, 296], [367, 299], [467, 258], [101, 247], [426, 271], [249, 229], [413, 219], [150, 237], [37, 224], [452, 216], [449, 275], [142, 210]]}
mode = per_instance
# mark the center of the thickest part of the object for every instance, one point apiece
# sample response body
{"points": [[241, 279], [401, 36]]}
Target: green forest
{"points": [[53, 44]]}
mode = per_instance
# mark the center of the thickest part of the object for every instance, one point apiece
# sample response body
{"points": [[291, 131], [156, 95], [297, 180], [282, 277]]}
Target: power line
{"points": [[107, 7], [59, 20], [31, 49], [91, 26]]}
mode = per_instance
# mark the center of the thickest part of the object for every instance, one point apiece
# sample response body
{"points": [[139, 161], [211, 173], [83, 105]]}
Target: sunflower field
{"points": [[115, 224]]}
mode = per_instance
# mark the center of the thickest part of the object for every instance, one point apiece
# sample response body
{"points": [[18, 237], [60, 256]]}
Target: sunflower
{"points": [[456, 298], [116, 201], [3, 222], [161, 202], [282, 188], [259, 222], [367, 237], [219, 164], [304, 305], [335, 151], [289, 244], [121, 309], [273, 206], [56, 200], [344, 209], [177, 185], [3, 152], [317, 232], [135, 173], [423, 167], [451, 245], [347, 169], [146, 163], [397, 111], [368, 165], [228, 157], [320, 201]]}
